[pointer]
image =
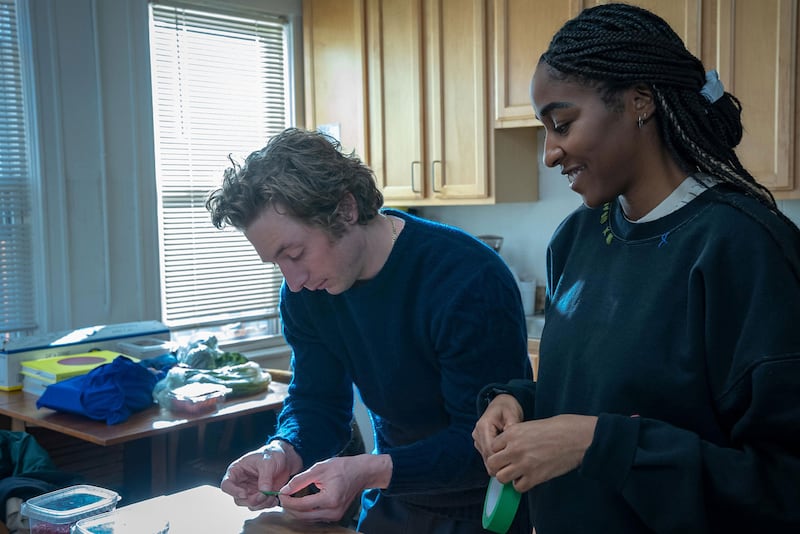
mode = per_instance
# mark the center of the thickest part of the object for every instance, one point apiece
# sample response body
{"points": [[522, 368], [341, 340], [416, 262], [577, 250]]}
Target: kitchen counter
{"points": [[535, 324], [533, 354]]}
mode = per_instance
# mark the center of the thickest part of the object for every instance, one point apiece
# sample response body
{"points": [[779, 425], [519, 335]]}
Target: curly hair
{"points": [[613, 47], [301, 172]]}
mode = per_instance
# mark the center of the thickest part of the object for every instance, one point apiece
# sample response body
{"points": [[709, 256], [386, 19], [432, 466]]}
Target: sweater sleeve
{"points": [[318, 411], [480, 338]]}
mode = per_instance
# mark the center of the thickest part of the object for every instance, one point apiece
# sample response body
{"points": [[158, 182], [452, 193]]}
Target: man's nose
{"points": [[294, 278]]}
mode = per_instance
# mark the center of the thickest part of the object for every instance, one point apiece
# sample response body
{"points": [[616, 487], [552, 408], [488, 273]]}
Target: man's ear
{"points": [[348, 207]]}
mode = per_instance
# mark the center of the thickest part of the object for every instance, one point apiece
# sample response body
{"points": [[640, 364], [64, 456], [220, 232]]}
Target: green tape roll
{"points": [[500, 506]]}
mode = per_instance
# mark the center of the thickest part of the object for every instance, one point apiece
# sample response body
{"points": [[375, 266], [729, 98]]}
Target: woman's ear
{"points": [[643, 103]]}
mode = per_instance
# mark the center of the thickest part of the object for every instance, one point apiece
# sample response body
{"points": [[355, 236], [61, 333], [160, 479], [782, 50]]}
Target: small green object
{"points": [[271, 493]]}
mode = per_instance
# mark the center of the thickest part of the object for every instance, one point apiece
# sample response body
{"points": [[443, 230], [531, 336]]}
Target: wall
{"points": [[527, 227], [97, 245], [97, 241]]}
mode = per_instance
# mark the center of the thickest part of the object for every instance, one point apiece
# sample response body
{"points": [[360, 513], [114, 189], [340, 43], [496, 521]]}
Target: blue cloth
{"points": [[420, 339], [110, 392]]}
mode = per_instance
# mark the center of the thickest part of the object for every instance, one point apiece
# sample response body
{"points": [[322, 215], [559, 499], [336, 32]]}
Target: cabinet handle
{"points": [[433, 175], [413, 183]]}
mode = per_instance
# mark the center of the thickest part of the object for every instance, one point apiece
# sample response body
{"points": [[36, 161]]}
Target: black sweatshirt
{"points": [[683, 336]]}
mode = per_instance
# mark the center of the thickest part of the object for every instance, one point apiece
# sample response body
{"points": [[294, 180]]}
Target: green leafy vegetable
{"points": [[205, 354]]}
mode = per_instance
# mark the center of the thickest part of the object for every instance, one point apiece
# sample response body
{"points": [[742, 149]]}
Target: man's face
{"points": [[307, 256]]}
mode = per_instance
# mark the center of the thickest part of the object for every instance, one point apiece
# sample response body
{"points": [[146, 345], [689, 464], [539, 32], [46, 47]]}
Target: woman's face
{"points": [[596, 146]]}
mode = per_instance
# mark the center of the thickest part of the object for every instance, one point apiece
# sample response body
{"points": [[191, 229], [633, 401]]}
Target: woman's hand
{"points": [[339, 481], [533, 452], [502, 412], [263, 469]]}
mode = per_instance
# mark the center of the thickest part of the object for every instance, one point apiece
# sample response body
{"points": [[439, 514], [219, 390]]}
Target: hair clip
{"points": [[713, 88]]}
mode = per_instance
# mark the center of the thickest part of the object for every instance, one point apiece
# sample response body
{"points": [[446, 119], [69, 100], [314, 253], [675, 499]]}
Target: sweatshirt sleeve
{"points": [[749, 485], [524, 391]]}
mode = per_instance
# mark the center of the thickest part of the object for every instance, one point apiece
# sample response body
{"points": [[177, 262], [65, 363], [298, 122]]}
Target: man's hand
{"points": [[339, 481], [263, 469]]}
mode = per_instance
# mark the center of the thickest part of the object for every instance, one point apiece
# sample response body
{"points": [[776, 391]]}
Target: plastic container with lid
{"points": [[197, 397], [122, 522], [57, 511]]}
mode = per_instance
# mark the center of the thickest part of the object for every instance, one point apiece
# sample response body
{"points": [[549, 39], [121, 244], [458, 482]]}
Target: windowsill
{"points": [[259, 341]]}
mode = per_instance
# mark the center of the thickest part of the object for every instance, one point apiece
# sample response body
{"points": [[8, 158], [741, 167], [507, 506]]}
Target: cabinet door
{"points": [[456, 98], [522, 32], [682, 15], [395, 96], [335, 73], [757, 60]]}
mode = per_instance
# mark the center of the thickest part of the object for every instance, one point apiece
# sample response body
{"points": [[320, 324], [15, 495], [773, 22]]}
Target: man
{"points": [[418, 315]]}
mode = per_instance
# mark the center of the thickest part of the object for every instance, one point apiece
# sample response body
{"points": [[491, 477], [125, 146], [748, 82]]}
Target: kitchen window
{"points": [[221, 87], [17, 289]]}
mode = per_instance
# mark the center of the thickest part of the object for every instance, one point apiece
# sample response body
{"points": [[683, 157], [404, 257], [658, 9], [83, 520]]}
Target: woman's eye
{"points": [[561, 128]]}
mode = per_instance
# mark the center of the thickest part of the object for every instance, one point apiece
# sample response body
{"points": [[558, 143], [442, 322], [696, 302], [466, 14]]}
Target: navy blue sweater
{"points": [[683, 336], [441, 319]]}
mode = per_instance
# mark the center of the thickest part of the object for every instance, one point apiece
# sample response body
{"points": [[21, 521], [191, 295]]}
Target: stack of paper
{"points": [[38, 374]]}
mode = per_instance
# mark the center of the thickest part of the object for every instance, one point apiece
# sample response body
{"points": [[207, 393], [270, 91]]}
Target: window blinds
{"points": [[17, 308], [220, 88]]}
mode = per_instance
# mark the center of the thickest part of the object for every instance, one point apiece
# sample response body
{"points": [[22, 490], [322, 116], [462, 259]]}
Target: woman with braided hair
{"points": [[668, 394]]}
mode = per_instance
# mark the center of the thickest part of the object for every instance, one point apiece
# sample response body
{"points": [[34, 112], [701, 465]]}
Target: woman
{"points": [[668, 397]]}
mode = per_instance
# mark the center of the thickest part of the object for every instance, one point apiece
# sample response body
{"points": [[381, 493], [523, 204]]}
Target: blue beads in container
{"points": [[57, 511]]}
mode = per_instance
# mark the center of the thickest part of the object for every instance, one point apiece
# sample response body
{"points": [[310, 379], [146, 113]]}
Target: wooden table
{"points": [[209, 509], [156, 423]]}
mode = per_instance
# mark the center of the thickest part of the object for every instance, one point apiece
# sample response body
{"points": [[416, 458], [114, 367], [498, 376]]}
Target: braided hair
{"points": [[614, 46]]}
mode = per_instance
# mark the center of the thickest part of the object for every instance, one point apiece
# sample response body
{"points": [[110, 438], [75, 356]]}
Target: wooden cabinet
{"points": [[457, 98], [794, 192], [335, 70], [396, 91], [522, 32], [753, 45], [418, 72], [428, 100], [757, 58]]}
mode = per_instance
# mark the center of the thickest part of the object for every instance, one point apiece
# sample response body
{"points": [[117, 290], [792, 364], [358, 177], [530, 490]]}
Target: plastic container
{"points": [[57, 511], [121, 522], [494, 241], [145, 348], [196, 398]]}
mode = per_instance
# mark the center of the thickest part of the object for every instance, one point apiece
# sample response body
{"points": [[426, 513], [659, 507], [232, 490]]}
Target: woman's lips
{"points": [[572, 175]]}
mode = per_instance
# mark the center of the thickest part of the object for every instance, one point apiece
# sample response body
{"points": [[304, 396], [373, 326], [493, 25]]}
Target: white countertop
{"points": [[535, 324]]}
